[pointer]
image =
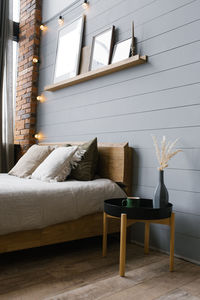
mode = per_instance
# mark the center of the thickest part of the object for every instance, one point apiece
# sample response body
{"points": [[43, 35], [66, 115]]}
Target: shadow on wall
{"points": [[135, 168], [137, 232]]}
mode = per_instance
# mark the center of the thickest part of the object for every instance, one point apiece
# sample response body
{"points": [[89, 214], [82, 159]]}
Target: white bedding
{"points": [[27, 204]]}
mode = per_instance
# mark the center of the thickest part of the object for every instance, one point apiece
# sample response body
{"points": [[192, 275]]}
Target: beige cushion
{"points": [[30, 161], [57, 166]]}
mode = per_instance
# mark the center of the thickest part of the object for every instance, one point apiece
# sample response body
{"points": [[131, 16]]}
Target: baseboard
{"points": [[167, 252]]}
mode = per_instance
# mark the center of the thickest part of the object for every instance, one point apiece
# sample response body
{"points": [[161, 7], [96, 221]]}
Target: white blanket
{"points": [[27, 204]]}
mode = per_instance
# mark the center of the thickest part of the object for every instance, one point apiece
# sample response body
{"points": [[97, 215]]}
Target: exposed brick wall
{"points": [[27, 77]]}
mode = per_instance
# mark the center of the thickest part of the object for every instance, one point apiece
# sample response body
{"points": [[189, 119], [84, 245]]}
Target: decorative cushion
{"points": [[87, 167], [30, 161], [57, 166]]}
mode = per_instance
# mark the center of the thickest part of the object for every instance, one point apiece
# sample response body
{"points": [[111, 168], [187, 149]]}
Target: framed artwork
{"points": [[101, 50], [122, 50], [69, 46]]}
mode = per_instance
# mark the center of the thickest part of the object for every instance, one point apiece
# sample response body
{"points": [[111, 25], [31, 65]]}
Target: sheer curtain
{"points": [[6, 86]]}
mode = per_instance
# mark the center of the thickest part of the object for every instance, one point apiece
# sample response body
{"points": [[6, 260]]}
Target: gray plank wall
{"points": [[160, 98]]}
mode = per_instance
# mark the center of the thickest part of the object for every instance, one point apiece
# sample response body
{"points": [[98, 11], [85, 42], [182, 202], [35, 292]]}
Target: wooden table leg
{"points": [[172, 232], [122, 245], [146, 238], [105, 232]]}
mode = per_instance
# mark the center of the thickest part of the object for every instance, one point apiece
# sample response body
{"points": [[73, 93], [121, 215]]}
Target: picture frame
{"points": [[122, 50], [69, 45], [101, 50]]}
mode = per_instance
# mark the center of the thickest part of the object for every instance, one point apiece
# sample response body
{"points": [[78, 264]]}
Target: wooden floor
{"points": [[76, 270]]}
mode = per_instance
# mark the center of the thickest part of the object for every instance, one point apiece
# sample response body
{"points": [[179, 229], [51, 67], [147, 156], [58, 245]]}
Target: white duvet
{"points": [[27, 204]]}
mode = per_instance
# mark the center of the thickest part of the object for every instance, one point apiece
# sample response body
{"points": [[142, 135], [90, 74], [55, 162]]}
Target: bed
{"points": [[49, 213]]}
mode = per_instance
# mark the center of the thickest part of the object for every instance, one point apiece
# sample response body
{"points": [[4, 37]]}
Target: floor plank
{"points": [[76, 270]]}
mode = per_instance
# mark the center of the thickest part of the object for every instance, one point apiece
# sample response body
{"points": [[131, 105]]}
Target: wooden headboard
{"points": [[115, 162]]}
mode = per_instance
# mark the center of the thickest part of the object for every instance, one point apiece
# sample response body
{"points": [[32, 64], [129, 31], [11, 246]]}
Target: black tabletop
{"points": [[145, 211]]}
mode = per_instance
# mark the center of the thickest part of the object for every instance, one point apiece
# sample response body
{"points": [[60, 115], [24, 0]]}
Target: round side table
{"points": [[146, 214]]}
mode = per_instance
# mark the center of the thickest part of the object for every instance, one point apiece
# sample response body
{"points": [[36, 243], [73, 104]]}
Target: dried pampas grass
{"points": [[166, 152]]}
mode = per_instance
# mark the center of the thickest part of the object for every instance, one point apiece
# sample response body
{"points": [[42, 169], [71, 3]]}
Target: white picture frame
{"points": [[122, 50], [101, 50], [69, 45]]}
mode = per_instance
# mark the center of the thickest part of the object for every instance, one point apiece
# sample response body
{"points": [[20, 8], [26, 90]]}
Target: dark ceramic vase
{"points": [[161, 195]]}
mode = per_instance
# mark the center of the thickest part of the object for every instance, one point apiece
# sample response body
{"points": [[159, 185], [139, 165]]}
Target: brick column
{"points": [[27, 76]]}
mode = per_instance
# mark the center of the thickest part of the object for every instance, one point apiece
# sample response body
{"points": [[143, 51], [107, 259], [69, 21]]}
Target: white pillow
{"points": [[30, 161], [57, 166]]}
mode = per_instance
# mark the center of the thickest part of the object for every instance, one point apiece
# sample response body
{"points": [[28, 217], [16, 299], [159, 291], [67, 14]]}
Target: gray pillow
{"points": [[87, 167]]}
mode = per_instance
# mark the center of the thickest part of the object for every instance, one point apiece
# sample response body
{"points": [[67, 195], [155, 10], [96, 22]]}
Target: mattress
{"points": [[27, 204]]}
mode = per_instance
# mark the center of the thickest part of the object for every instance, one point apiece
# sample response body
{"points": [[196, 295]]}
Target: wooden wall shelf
{"points": [[124, 64]]}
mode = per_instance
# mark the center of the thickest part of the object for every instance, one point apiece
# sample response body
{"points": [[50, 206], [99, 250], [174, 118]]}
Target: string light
{"points": [[43, 27], [35, 60], [61, 21], [85, 4], [37, 136], [41, 98]]}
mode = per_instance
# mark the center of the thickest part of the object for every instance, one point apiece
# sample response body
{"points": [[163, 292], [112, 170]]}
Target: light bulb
{"points": [[37, 136], [35, 60], [61, 21], [43, 27], [40, 98], [85, 4]]}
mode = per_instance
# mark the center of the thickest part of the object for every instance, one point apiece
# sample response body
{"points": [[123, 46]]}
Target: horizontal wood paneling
{"points": [[187, 160], [140, 121], [159, 24], [138, 85], [160, 98], [159, 238], [49, 9], [159, 63], [136, 139], [148, 13], [50, 36], [186, 180], [145, 29], [183, 201], [186, 224]]}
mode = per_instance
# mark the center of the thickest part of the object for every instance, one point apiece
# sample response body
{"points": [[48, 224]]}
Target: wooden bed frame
{"points": [[115, 162]]}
